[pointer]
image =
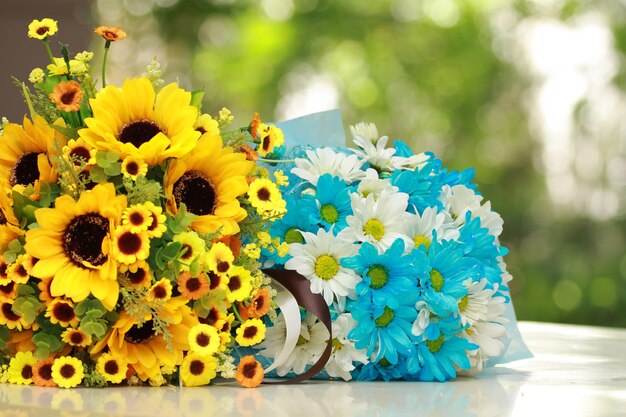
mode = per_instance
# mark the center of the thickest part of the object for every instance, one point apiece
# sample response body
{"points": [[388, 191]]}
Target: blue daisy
{"points": [[385, 276], [422, 185], [389, 334], [383, 369], [331, 204]]}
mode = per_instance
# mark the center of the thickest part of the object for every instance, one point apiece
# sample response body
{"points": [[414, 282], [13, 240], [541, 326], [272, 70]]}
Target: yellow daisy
{"points": [[217, 283], [133, 167], [25, 151], [21, 368], [8, 290], [17, 272], [144, 350], [129, 247], [220, 258], [161, 291], [265, 196], [112, 368], [134, 120], [197, 370], [78, 150], [251, 332], [10, 318], [62, 312], [207, 125], [76, 337], [270, 137], [239, 284], [9, 224], [72, 244], [208, 181], [138, 274], [157, 227], [41, 29], [193, 245], [204, 339], [67, 371], [137, 218]]}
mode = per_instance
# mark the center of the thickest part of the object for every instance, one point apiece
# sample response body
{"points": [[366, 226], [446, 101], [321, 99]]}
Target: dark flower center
{"points": [[132, 168], [250, 332], [63, 312], [82, 241], [234, 283], [139, 132], [159, 292], [136, 219], [42, 30], [201, 130], [222, 267], [8, 288], [214, 280], [266, 143], [137, 277], [8, 312], [154, 224], [68, 97], [249, 370], [196, 367], [196, 191], [203, 339], [211, 318], [188, 252], [129, 243], [3, 219], [25, 171], [77, 338], [79, 153], [45, 372], [193, 284], [67, 371], [3, 270], [27, 372], [141, 334], [21, 271], [263, 194], [111, 367], [259, 302]]}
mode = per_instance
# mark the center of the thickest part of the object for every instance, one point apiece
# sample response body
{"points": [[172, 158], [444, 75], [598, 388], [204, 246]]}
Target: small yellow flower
{"points": [[67, 371], [281, 178], [252, 251], [194, 248], [264, 196], [251, 332], [84, 56], [61, 312], [133, 167], [220, 258], [265, 239], [137, 218], [41, 29], [59, 67], [197, 370], [204, 339], [161, 291], [17, 271], [112, 368], [225, 116], [207, 125], [283, 249], [78, 68], [36, 76], [157, 227], [76, 337], [270, 137], [239, 284], [21, 368], [129, 247]]}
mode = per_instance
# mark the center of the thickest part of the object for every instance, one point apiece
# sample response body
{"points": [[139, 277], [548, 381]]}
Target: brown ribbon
{"points": [[300, 288]]}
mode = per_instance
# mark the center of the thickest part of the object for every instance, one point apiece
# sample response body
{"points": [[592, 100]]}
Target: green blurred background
{"points": [[529, 93]]}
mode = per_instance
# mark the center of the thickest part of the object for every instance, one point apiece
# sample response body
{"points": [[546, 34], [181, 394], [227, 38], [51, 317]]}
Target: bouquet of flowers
{"points": [[406, 256], [128, 221]]}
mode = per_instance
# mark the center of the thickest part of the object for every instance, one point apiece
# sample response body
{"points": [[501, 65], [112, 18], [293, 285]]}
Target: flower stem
{"points": [[107, 45], [45, 42]]}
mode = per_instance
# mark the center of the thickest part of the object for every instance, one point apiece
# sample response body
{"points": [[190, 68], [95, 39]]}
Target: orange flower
{"points": [[233, 243], [67, 95], [251, 154], [111, 34], [193, 288], [42, 373], [260, 304], [249, 372], [254, 124]]}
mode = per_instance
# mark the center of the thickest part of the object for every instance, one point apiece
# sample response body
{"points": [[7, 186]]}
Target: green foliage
{"points": [[4, 338], [47, 339], [93, 317], [196, 99], [181, 221], [109, 162], [26, 303], [142, 190]]}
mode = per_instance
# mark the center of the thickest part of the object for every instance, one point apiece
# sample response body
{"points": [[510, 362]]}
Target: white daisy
{"points": [[423, 318], [474, 306], [375, 152], [372, 184], [421, 227], [344, 355], [310, 346], [409, 163], [367, 131], [318, 260], [377, 221], [326, 161], [459, 199]]}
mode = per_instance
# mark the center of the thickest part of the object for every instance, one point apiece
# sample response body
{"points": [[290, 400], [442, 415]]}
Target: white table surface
{"points": [[576, 371]]}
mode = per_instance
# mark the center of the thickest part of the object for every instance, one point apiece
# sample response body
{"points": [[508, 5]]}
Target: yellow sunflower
{"points": [[270, 137], [137, 218], [21, 368], [208, 126], [208, 181], [62, 312], [67, 371], [76, 337], [134, 167], [25, 151], [220, 258], [78, 150], [144, 350], [204, 339], [9, 224], [73, 242], [112, 368], [239, 284], [251, 332], [197, 370], [41, 29], [160, 292], [157, 227], [136, 121], [129, 247], [10, 318], [194, 248], [265, 196]]}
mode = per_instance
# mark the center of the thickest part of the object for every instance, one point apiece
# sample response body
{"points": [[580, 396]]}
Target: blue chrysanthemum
{"points": [[423, 185], [383, 369], [288, 229], [385, 276], [387, 334], [331, 204]]}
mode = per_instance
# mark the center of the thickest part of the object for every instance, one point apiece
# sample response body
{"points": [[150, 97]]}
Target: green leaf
{"points": [[114, 169], [15, 245], [196, 99], [4, 338], [194, 268], [9, 257], [97, 175], [68, 132], [171, 251], [112, 156]]}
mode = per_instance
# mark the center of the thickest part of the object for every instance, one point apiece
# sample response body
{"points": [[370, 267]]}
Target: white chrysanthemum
{"points": [[326, 161], [474, 306], [372, 184], [318, 260], [423, 318], [459, 199], [375, 152], [487, 334], [367, 131], [344, 355], [377, 221], [420, 228], [310, 346], [409, 163]]}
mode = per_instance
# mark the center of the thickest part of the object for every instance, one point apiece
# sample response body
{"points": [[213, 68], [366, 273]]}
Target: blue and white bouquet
{"points": [[405, 254]]}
